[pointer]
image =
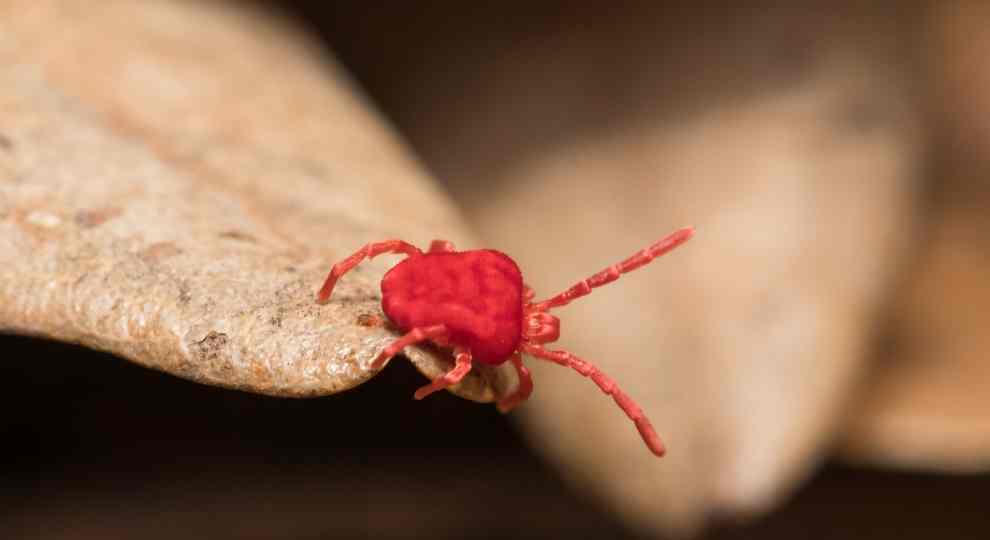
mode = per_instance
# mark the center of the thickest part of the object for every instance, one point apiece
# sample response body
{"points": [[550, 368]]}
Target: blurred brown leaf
{"points": [[789, 137], [176, 179], [927, 405]]}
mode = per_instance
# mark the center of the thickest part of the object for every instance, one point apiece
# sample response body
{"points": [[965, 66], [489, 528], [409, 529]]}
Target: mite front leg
{"points": [[441, 246], [613, 272], [416, 335], [524, 389], [609, 386], [368, 251], [452, 377]]}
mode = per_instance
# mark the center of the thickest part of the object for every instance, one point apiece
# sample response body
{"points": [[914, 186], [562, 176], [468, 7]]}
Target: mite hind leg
{"points": [[414, 336], [608, 386], [461, 368], [524, 389], [369, 251]]}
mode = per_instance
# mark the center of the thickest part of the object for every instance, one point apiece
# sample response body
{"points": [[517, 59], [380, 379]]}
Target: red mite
{"points": [[476, 303]]}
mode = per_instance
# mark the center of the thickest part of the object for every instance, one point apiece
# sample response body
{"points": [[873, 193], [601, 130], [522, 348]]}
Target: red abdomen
{"points": [[476, 294]]}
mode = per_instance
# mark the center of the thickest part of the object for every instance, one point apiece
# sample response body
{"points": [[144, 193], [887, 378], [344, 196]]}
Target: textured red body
{"points": [[476, 294], [475, 302]]}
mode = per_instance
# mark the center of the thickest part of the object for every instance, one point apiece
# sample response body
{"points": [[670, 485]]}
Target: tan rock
{"points": [[176, 179]]}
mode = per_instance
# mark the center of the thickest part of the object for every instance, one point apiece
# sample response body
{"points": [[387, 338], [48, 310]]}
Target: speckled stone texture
{"points": [[175, 180]]}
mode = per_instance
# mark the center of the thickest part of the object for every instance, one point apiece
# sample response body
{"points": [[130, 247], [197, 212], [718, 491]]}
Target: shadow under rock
{"points": [[95, 446]]}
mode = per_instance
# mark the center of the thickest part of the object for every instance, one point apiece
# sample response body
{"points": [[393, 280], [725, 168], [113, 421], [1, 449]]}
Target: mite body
{"points": [[476, 303]]}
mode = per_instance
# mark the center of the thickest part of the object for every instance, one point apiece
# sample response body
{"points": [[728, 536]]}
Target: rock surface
{"points": [[176, 179]]}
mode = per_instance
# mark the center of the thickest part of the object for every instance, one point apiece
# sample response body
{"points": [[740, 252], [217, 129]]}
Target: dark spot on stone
{"points": [[209, 348], [80, 279], [92, 218], [276, 320], [369, 320], [239, 236], [291, 269], [6, 143], [184, 295]]}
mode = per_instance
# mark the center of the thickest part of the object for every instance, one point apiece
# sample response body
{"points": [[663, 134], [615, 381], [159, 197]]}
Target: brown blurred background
{"points": [[887, 107]]}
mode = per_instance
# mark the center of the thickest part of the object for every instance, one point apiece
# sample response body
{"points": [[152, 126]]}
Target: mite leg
{"points": [[454, 376], [441, 246], [523, 391], [613, 272], [416, 335], [608, 386], [368, 251]]}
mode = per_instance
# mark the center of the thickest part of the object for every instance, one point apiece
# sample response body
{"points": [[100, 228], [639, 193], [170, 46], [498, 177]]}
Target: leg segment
{"points": [[613, 272], [415, 336], [454, 376], [368, 251], [441, 246], [523, 391], [608, 386]]}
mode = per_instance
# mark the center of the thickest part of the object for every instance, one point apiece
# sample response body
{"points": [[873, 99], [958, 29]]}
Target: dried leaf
{"points": [[176, 179]]}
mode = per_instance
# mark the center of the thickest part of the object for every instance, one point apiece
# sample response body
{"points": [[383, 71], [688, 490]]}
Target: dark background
{"points": [[96, 447]]}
